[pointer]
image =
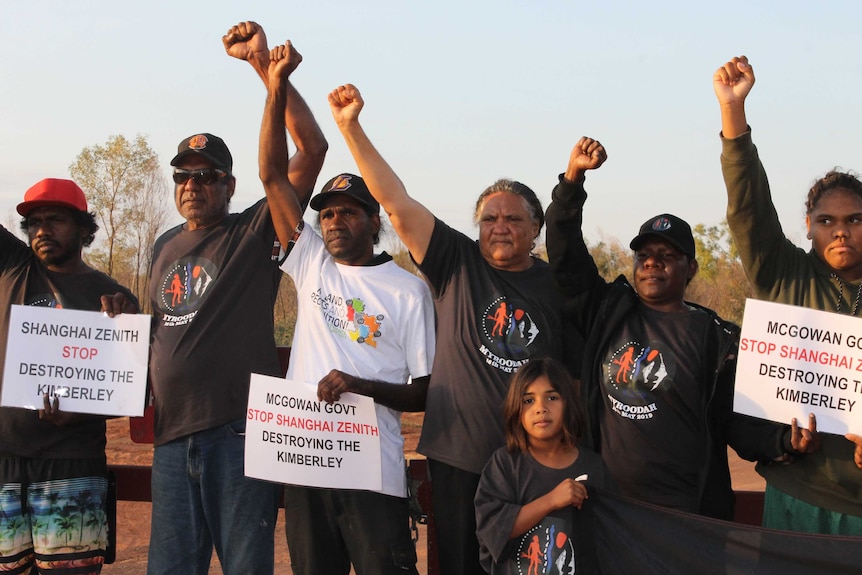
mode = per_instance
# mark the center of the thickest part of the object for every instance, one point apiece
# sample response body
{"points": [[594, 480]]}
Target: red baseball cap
{"points": [[53, 192]]}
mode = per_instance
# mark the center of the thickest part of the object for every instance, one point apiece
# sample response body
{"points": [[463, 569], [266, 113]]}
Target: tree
{"points": [[125, 188], [284, 312], [720, 283], [148, 217], [612, 258]]}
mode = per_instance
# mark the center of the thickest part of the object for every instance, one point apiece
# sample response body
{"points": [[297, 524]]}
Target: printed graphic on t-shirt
{"points": [[349, 317], [635, 375], [184, 288], [365, 326], [44, 300], [508, 331], [546, 549]]}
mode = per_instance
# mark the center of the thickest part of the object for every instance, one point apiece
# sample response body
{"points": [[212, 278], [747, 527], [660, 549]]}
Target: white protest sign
{"points": [[291, 437], [93, 363], [794, 361]]}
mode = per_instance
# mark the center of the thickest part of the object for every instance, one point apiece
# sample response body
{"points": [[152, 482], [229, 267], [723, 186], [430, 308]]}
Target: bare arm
{"points": [[273, 162], [732, 84], [311, 146], [247, 41], [412, 221], [398, 396]]}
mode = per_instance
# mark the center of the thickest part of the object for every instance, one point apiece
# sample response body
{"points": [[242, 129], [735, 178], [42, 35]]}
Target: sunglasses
{"points": [[202, 177]]}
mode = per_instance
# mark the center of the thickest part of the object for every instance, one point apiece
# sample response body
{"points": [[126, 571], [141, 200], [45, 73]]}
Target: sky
{"points": [[458, 94]]}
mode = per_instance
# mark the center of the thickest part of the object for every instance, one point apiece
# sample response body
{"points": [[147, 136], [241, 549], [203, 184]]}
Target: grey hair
{"points": [[531, 201]]}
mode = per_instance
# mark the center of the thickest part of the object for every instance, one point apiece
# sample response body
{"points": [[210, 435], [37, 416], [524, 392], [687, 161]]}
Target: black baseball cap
{"points": [[210, 147], [670, 228], [348, 185]]}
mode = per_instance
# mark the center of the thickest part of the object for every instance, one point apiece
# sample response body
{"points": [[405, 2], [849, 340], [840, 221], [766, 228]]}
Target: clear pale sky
{"points": [[457, 94]]}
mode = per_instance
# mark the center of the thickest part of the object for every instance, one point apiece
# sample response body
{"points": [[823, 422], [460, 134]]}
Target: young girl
{"points": [[531, 511], [821, 492]]}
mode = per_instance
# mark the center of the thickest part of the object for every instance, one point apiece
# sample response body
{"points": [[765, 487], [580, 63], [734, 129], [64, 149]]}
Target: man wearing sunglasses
{"points": [[214, 280]]}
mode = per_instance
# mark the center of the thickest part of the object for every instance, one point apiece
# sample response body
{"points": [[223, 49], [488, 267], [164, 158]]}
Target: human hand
{"points": [[247, 41], [733, 81], [116, 304], [588, 154], [857, 455], [804, 440], [345, 102], [330, 388], [568, 492], [283, 60], [51, 412]]}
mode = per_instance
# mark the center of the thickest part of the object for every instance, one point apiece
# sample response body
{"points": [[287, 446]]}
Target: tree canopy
{"points": [[720, 283], [127, 191]]}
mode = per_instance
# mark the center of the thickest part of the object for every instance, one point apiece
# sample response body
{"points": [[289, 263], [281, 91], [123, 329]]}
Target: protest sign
{"points": [[291, 437], [794, 361], [93, 363]]}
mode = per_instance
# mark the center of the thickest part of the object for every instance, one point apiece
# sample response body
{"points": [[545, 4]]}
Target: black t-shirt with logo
{"points": [[652, 425], [489, 323], [563, 542], [212, 292], [25, 281]]}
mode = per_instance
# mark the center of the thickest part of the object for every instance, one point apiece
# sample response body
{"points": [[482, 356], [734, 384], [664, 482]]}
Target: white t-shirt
{"points": [[374, 322]]}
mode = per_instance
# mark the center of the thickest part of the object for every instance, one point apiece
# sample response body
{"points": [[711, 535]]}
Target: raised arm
{"points": [[575, 275], [571, 263], [272, 155], [732, 83], [247, 41], [412, 221]]}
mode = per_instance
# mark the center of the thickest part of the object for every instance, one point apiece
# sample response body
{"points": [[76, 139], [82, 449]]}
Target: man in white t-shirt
{"points": [[364, 326]]}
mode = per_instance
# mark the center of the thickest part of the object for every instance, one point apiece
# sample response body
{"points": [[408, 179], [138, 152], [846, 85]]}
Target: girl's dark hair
{"points": [[561, 381], [835, 179], [84, 220]]}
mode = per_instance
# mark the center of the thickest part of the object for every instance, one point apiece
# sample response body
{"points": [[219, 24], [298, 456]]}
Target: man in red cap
{"points": [[53, 461]]}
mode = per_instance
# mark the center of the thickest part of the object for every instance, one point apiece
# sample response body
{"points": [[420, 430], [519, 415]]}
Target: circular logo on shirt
{"points": [[546, 548], [635, 372], [185, 286], [508, 329]]}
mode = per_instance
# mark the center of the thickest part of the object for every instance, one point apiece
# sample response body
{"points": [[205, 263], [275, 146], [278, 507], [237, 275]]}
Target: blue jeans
{"points": [[202, 498]]}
